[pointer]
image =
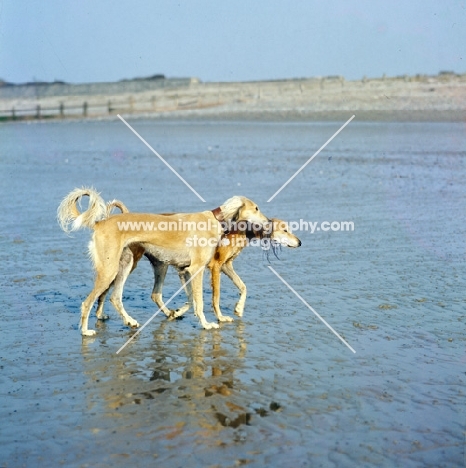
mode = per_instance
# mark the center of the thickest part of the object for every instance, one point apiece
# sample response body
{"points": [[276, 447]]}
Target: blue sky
{"points": [[228, 40]]}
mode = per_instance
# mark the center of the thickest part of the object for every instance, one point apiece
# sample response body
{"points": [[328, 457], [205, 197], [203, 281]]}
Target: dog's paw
{"points": [[130, 322], [88, 333], [239, 309], [182, 310], [173, 315], [209, 326], [225, 318]]}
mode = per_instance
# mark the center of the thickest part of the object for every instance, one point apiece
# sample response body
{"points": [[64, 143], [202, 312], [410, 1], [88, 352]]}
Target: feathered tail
{"points": [[71, 219], [116, 204]]}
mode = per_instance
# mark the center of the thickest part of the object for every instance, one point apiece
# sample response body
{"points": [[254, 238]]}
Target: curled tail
{"points": [[71, 219], [116, 204]]}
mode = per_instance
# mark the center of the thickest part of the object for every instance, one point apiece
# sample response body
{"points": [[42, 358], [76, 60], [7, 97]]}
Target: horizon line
{"points": [[162, 77]]}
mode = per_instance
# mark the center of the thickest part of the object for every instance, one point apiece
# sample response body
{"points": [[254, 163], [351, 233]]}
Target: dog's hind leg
{"points": [[100, 306], [215, 277], [102, 282], [228, 269], [125, 268]]}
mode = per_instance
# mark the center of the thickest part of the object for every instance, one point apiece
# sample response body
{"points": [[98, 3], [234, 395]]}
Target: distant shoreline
{"points": [[440, 98], [308, 116]]}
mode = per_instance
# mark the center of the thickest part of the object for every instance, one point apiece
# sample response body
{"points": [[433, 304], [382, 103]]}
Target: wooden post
{"points": [[62, 110], [38, 111], [109, 106], [13, 114], [85, 109]]}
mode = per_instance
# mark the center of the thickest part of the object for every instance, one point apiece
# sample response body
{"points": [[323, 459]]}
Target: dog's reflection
{"points": [[190, 373], [204, 371]]}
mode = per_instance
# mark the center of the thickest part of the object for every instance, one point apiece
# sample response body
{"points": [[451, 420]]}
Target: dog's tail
{"points": [[71, 219], [116, 204]]}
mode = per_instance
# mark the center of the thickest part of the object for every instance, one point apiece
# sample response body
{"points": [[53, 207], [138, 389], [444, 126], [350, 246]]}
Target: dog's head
{"points": [[240, 208], [281, 234], [274, 235]]}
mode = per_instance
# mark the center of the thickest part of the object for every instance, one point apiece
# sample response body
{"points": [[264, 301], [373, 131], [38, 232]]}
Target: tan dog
{"points": [[113, 236], [229, 248]]}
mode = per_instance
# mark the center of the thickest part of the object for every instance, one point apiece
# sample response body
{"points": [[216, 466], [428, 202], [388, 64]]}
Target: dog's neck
{"points": [[249, 233]]}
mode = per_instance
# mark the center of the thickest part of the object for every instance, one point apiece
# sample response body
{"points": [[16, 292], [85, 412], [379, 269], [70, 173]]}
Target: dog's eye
{"points": [[257, 209], [286, 230]]}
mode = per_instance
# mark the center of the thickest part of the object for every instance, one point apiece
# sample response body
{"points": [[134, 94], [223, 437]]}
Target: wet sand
{"points": [[275, 388]]}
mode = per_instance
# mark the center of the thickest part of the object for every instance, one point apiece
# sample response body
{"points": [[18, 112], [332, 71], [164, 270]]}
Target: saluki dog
{"points": [[275, 235], [231, 246], [113, 235]]}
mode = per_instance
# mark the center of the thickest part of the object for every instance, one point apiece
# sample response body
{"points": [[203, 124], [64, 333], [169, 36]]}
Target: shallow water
{"points": [[275, 388]]}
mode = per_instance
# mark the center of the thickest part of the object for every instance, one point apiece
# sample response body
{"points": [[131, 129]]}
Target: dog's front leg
{"points": [[160, 272], [198, 301], [184, 278], [227, 268], [186, 283], [215, 273]]}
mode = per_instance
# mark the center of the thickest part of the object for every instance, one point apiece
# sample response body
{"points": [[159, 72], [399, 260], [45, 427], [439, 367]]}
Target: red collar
{"points": [[217, 212]]}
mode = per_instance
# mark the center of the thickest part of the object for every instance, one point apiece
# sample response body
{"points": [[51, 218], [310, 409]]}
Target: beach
{"points": [[409, 98], [276, 387]]}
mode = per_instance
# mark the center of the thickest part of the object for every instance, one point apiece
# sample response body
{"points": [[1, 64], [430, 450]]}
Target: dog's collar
{"points": [[217, 212]]}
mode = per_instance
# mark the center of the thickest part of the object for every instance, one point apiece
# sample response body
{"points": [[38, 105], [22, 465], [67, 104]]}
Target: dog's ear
{"points": [[243, 204]]}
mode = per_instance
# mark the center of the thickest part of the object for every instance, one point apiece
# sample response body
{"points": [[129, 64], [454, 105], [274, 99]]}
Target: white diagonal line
{"points": [[158, 155], [311, 309], [167, 302], [309, 160]]}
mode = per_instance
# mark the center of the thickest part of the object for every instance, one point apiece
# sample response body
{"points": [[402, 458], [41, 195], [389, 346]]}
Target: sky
{"points": [[81, 41]]}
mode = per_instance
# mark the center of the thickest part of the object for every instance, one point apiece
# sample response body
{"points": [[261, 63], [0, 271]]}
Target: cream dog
{"points": [[274, 235], [113, 235]]}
